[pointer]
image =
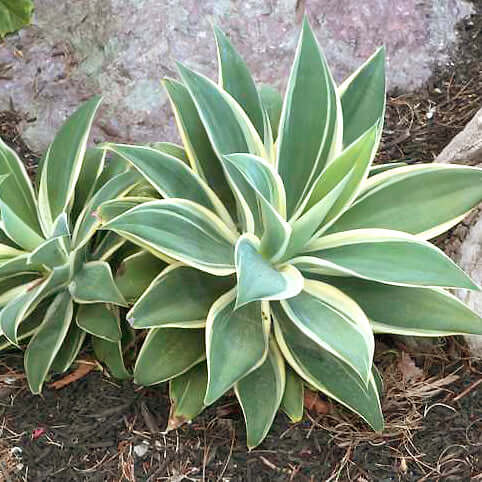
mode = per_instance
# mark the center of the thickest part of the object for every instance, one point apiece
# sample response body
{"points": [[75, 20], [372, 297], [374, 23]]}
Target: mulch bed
{"points": [[98, 429]]}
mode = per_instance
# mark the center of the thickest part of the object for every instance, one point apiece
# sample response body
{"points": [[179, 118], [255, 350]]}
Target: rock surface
{"points": [[122, 48], [466, 148]]}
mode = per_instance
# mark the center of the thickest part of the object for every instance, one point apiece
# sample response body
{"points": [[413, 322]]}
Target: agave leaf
{"points": [[4, 239], [360, 155], [262, 178], [260, 394], [334, 322], [326, 372], [16, 189], [379, 168], [235, 78], [16, 229], [258, 279], [98, 320], [136, 273], [293, 398], [94, 283], [409, 311], [14, 286], [334, 191], [14, 14], [109, 243], [171, 177], [171, 149], [88, 220], [20, 307], [50, 253], [377, 378], [363, 97], [427, 199], [203, 159], [182, 230], [180, 297], [187, 396], [8, 252], [168, 353], [273, 103], [227, 125], [16, 266], [268, 187], [47, 340], [77, 259], [113, 166], [63, 163], [90, 171], [111, 209], [308, 125], [236, 343], [387, 256], [143, 189], [61, 226], [268, 139], [112, 353], [69, 349], [28, 327]]}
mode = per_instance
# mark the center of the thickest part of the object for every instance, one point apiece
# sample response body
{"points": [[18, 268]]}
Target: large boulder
{"points": [[122, 48], [465, 243]]}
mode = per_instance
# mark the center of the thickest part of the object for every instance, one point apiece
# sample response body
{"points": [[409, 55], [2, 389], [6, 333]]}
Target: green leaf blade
{"points": [[14, 14], [63, 162], [427, 200], [180, 296], [308, 121], [293, 398], [335, 322], [327, 373], [136, 273], [182, 230], [260, 394], [16, 189], [202, 157], [409, 310], [258, 279], [390, 257], [46, 342], [168, 353], [94, 283], [98, 320], [235, 78], [363, 97], [187, 396], [236, 343], [228, 127]]}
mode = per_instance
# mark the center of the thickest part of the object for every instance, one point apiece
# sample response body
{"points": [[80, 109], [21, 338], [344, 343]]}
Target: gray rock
{"points": [[122, 48], [466, 148]]}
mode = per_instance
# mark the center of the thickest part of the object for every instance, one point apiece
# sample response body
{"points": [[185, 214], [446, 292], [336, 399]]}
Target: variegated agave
{"points": [[288, 250], [55, 283]]}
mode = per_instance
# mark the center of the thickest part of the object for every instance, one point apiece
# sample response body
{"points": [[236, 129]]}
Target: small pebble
{"points": [[430, 112], [141, 449], [16, 452]]}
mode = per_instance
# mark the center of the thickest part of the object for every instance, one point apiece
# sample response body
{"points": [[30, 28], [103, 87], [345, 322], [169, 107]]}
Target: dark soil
{"points": [[97, 429], [90, 431]]}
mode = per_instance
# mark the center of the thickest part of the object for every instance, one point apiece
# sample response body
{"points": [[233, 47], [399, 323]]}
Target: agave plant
{"points": [[288, 250], [55, 283]]}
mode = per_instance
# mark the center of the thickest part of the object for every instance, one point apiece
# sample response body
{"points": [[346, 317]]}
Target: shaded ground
{"points": [[99, 430], [92, 429]]}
